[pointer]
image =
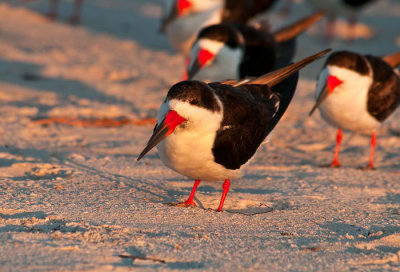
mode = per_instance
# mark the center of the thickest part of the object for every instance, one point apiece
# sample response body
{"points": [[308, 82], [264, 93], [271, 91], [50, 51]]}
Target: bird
{"points": [[346, 8], [234, 51], [357, 93], [182, 19], [208, 131], [76, 14]]}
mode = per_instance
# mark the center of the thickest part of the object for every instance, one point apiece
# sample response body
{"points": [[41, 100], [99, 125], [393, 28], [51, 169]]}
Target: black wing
{"points": [[240, 11], [384, 94], [260, 51], [250, 113]]}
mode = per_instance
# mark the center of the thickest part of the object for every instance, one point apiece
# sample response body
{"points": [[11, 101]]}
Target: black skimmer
{"points": [[76, 13], [209, 131], [357, 92], [182, 19], [346, 8], [234, 51]]}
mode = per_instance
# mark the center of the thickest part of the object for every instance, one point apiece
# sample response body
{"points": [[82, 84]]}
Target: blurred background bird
{"points": [[350, 9], [340, 8], [357, 93], [182, 19], [234, 51]]}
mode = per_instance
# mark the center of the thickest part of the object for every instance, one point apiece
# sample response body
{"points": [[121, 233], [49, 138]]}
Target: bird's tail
{"points": [[289, 32], [393, 59], [286, 38]]}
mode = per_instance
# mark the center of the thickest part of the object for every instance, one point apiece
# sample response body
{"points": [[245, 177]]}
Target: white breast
{"points": [[346, 107], [225, 64], [188, 150]]}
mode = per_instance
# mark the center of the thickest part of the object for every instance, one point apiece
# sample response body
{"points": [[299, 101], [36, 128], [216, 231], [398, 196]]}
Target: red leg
{"points": [[189, 201], [76, 14], [373, 145], [225, 189], [339, 138], [53, 9]]}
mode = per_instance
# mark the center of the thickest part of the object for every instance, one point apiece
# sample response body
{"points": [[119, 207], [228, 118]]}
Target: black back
{"points": [[250, 113], [285, 53], [384, 93], [260, 51], [241, 11]]}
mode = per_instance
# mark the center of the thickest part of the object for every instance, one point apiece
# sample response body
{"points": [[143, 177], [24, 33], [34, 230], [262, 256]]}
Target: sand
{"points": [[75, 199]]}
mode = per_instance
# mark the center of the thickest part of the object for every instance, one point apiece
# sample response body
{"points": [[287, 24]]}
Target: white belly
{"points": [[191, 156], [350, 115]]}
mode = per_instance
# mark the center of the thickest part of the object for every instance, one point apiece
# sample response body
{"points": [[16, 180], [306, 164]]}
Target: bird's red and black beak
{"points": [[178, 9], [331, 83], [163, 130], [202, 58]]}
